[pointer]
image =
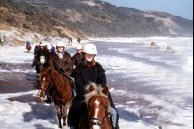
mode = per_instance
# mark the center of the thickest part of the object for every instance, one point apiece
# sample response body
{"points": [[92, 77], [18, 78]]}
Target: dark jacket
{"points": [[42, 52], [83, 74], [86, 73], [36, 49], [63, 66], [77, 59]]}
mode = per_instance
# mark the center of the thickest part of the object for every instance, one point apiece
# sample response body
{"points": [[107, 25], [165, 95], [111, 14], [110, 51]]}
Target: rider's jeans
{"points": [[114, 117]]}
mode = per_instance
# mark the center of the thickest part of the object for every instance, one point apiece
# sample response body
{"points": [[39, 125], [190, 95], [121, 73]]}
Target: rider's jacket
{"points": [[42, 53], [86, 73], [36, 49], [62, 63]]}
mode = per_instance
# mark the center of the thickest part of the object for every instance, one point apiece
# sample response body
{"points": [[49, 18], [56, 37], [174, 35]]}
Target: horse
{"points": [[98, 108], [28, 48], [60, 91]]}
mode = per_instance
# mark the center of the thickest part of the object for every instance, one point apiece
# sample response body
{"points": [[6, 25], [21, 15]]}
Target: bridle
{"points": [[98, 122], [42, 90], [45, 90]]}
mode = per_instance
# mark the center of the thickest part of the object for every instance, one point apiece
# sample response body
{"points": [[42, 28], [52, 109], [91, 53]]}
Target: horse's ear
{"points": [[91, 88], [105, 90]]}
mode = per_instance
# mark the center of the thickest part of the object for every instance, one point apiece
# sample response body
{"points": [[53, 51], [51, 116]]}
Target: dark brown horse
{"points": [[98, 109], [28, 48], [60, 90]]}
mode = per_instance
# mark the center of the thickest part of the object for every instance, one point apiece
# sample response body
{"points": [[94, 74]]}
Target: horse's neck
{"points": [[58, 80], [107, 123], [54, 78]]}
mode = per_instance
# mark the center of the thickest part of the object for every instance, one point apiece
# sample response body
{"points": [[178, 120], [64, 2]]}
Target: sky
{"points": [[182, 8]]}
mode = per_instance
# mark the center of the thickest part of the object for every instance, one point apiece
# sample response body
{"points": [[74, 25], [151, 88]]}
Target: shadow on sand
{"points": [[40, 112], [133, 117]]}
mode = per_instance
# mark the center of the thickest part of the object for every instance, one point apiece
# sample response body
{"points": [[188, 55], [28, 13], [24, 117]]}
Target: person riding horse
{"points": [[78, 57], [28, 43], [61, 60], [88, 71], [42, 57], [79, 40], [28, 46], [36, 49]]}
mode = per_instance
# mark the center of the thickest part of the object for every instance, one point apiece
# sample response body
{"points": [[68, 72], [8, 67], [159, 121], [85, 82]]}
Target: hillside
{"points": [[34, 19], [91, 19]]}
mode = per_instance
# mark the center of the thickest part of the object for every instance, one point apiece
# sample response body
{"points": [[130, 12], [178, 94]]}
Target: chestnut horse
{"points": [[60, 91], [98, 108], [28, 48]]}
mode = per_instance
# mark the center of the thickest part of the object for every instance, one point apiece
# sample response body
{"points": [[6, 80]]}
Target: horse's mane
{"points": [[59, 79], [55, 75], [97, 91]]}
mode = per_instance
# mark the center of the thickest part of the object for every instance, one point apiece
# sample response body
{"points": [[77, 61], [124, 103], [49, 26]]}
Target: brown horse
{"points": [[28, 48], [98, 108], [60, 90]]}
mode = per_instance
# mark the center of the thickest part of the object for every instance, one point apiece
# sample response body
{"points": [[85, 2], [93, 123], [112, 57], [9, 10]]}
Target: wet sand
{"points": [[13, 82]]}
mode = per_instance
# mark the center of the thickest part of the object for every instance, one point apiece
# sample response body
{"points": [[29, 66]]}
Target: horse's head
{"points": [[42, 60], [46, 81], [98, 105]]}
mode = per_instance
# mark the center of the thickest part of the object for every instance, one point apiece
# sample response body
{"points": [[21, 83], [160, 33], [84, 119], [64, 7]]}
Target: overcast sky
{"points": [[182, 8]]}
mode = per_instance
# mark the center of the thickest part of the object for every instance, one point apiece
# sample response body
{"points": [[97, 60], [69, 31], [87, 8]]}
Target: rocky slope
{"points": [[92, 18], [34, 19]]}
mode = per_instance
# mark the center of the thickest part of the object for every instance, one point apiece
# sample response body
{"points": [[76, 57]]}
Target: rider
{"points": [[89, 71], [61, 60], [36, 49], [42, 51], [28, 43], [78, 57], [78, 40]]}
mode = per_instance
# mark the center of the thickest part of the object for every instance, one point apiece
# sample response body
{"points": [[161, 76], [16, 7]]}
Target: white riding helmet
{"points": [[90, 49], [79, 47], [60, 44]]}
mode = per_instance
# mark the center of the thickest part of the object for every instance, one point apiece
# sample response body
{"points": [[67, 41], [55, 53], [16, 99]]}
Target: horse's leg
{"points": [[58, 109], [66, 112], [67, 109], [65, 121], [59, 119]]}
